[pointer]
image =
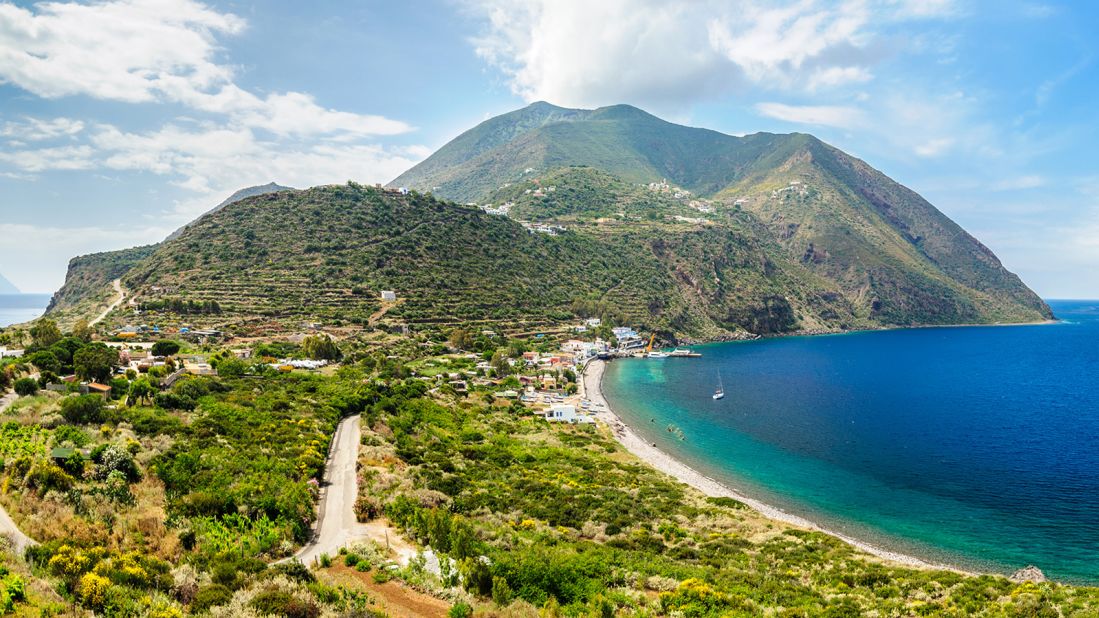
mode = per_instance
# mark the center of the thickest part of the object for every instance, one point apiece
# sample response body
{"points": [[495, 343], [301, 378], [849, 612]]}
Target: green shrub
{"points": [[82, 409], [280, 603], [461, 609], [25, 387], [210, 596]]}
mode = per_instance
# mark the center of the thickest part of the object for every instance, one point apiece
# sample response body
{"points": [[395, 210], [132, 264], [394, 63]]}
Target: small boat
{"points": [[720, 392], [658, 355]]}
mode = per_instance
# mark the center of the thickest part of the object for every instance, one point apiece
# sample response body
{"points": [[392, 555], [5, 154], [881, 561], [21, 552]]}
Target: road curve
{"points": [[336, 522], [117, 285]]}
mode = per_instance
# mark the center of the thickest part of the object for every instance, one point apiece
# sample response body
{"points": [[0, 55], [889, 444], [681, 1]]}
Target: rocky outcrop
{"points": [[1030, 573]]}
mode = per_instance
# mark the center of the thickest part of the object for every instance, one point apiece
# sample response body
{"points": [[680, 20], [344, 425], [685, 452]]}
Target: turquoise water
{"points": [[18, 308], [971, 446]]}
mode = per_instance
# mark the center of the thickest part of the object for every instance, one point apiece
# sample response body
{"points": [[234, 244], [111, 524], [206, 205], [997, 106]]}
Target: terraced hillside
{"points": [[326, 253]]}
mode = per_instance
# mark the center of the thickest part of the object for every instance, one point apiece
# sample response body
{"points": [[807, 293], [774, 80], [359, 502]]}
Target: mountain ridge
{"points": [[681, 230]]}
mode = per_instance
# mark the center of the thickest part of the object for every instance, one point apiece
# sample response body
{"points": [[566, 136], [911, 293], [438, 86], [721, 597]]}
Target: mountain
{"points": [[246, 192], [609, 212], [7, 287], [892, 255]]}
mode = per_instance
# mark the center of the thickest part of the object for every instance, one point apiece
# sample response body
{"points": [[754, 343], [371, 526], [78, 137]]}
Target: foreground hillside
{"points": [[184, 502]]}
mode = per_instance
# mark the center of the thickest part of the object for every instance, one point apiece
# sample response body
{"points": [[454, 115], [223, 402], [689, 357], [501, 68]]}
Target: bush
{"points": [[210, 596], [165, 347], [25, 387], [461, 609], [280, 603], [82, 409]]}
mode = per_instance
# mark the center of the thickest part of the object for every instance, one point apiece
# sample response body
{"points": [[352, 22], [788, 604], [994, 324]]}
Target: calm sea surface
{"points": [[17, 308], [974, 446]]}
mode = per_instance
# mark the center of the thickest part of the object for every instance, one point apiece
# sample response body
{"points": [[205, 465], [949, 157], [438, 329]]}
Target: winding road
{"points": [[117, 285]]}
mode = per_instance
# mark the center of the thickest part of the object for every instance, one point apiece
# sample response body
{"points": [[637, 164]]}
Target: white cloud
{"points": [[934, 147], [838, 76], [669, 54], [824, 115], [36, 129], [144, 51], [53, 158], [1028, 181]]}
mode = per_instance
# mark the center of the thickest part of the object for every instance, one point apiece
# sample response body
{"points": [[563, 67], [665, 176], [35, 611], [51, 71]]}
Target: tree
{"points": [[460, 339], [45, 360], [500, 364], [320, 347], [25, 387], [45, 333], [82, 331], [82, 409], [95, 361], [165, 347], [141, 391]]}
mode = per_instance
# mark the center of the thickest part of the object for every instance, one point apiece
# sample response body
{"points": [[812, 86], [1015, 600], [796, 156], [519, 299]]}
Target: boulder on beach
{"points": [[1030, 573]]}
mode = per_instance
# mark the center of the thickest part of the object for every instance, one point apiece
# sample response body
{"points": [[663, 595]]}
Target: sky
{"points": [[121, 120]]}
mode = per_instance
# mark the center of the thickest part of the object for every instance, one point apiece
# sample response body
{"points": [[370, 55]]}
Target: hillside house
{"points": [[389, 296], [565, 413]]}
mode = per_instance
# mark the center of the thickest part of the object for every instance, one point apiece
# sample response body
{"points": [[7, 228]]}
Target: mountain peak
{"points": [[247, 192]]}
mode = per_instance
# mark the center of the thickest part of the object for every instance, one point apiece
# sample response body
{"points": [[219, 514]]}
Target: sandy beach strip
{"points": [[592, 382]]}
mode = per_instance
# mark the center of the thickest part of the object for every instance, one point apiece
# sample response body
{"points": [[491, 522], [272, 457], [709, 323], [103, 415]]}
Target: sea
{"points": [[975, 447], [18, 308]]}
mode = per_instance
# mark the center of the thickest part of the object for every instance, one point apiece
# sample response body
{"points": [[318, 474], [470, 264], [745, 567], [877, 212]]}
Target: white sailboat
{"points": [[720, 392]]}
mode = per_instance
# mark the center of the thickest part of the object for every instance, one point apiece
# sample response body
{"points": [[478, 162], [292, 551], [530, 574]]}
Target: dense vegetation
{"points": [[179, 503]]}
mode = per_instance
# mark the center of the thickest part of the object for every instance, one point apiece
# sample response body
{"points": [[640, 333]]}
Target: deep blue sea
{"points": [[17, 308], [971, 446]]}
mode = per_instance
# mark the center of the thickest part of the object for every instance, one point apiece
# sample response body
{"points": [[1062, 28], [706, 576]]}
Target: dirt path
{"points": [[117, 285], [7, 400], [8, 528]]}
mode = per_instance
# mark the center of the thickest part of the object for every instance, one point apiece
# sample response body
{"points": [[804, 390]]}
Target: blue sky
{"points": [[121, 120]]}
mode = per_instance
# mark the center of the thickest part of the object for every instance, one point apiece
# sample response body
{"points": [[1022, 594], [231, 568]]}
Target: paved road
{"points": [[336, 522], [117, 285]]}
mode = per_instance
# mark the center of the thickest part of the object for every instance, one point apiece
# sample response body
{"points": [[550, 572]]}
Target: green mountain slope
{"points": [[326, 253], [237, 196], [893, 256], [680, 230]]}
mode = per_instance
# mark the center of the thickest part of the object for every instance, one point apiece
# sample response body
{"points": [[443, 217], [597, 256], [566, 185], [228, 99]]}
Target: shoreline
{"points": [[592, 379], [855, 331]]}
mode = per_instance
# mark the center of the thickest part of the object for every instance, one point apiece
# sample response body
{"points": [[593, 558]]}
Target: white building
{"points": [[6, 353], [564, 413], [389, 295]]}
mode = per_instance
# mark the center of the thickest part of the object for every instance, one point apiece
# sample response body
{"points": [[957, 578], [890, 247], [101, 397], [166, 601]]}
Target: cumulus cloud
{"points": [[669, 54], [144, 51]]}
